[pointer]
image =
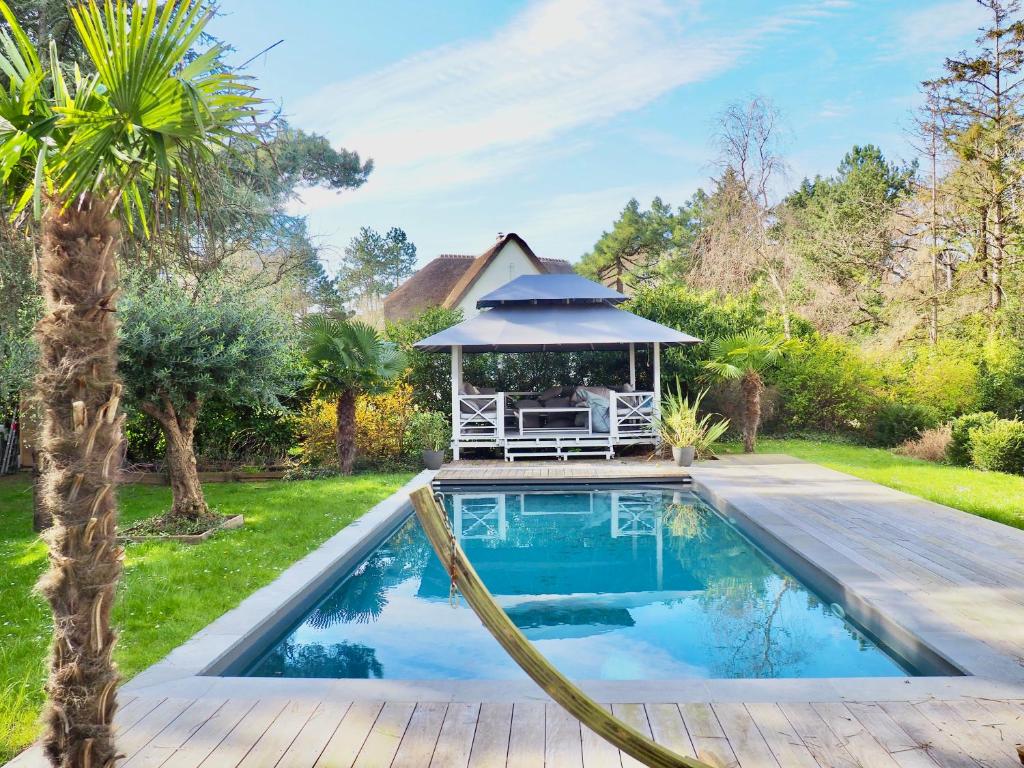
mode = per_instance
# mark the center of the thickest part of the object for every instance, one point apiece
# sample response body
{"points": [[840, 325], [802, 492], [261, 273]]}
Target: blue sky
{"points": [[545, 117]]}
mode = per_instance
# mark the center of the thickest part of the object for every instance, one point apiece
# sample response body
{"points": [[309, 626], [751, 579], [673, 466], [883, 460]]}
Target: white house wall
{"points": [[509, 264]]}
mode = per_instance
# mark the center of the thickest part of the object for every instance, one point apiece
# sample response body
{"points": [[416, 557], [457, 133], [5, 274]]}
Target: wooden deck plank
{"points": [[350, 735], [563, 743], [205, 740], [420, 737], [490, 742], [385, 736], [859, 742], [279, 735], [527, 736], [707, 735], [311, 740], [236, 745], [907, 752], [455, 742], [943, 750], [636, 716], [827, 748], [170, 738], [982, 745], [668, 728], [130, 713], [780, 736], [148, 727], [747, 743]]}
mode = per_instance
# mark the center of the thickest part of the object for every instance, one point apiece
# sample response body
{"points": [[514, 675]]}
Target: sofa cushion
{"points": [[558, 402], [550, 393]]}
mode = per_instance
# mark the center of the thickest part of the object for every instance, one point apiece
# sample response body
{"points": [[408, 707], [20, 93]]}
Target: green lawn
{"points": [[994, 495], [169, 591]]}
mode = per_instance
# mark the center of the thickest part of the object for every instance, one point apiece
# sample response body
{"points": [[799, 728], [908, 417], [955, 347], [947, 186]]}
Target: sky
{"points": [[545, 117]]}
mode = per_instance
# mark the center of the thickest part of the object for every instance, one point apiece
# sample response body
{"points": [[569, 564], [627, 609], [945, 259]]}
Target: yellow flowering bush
{"points": [[382, 422]]}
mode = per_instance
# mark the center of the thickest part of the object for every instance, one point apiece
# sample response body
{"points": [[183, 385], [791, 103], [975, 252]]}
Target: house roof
{"points": [[446, 279], [550, 289], [541, 327]]}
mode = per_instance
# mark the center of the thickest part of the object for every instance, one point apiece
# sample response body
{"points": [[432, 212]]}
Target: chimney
{"points": [[501, 236]]}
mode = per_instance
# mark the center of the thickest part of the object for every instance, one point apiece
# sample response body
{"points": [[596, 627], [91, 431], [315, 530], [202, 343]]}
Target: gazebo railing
{"points": [[481, 416], [632, 414]]}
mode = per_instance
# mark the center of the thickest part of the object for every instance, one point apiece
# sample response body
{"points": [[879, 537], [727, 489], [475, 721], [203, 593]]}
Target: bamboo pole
{"points": [[434, 521]]}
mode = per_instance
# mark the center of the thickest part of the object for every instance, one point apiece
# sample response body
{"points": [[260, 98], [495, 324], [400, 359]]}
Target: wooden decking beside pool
{"points": [[952, 580]]}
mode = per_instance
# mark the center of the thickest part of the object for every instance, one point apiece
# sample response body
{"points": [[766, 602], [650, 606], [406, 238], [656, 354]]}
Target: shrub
{"points": [[1002, 376], [942, 378], [429, 431], [999, 447], [382, 423], [960, 436], [932, 445], [826, 385], [896, 423]]}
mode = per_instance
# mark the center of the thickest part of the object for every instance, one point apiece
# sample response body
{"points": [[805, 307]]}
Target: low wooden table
{"points": [[585, 430]]}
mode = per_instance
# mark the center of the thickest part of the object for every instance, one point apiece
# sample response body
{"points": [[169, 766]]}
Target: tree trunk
{"points": [[41, 517], [81, 438], [752, 387], [345, 432], [179, 426]]}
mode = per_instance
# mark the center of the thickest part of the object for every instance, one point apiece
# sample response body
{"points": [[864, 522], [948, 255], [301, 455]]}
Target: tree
{"points": [[181, 350], [109, 145], [428, 374], [375, 264], [629, 255], [979, 99], [847, 227], [745, 357], [344, 359], [737, 247]]}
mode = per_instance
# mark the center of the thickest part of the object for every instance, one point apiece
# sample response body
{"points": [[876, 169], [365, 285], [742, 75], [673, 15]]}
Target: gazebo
{"points": [[536, 313]]}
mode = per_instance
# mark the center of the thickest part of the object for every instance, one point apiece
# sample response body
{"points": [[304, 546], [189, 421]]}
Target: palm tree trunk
{"points": [[345, 431], [80, 393], [179, 426], [752, 386]]}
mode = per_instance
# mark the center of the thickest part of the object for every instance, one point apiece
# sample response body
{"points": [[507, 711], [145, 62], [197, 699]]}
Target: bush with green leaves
{"points": [[430, 431], [944, 377], [895, 423], [1001, 376], [826, 385], [999, 446], [959, 451]]}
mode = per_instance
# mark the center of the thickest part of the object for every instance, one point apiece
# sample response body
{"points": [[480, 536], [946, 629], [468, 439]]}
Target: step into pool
{"points": [[637, 583]]}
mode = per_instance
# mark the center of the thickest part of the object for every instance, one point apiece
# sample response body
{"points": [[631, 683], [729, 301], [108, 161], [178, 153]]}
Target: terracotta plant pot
{"points": [[683, 455], [433, 459]]}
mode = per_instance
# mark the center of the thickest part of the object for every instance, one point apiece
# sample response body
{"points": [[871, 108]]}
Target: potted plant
{"points": [[432, 433], [682, 430]]}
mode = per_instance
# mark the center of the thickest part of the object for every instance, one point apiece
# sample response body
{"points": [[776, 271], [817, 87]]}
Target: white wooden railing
{"points": [[481, 416], [632, 414]]}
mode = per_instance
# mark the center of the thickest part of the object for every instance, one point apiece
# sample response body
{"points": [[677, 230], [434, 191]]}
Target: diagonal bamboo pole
{"points": [[464, 577]]}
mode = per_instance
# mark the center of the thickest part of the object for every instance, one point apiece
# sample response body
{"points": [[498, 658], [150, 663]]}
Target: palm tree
{"points": [[745, 357], [344, 359], [94, 153]]}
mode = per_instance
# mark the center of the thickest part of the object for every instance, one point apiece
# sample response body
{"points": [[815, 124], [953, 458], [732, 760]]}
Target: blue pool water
{"points": [[635, 584]]}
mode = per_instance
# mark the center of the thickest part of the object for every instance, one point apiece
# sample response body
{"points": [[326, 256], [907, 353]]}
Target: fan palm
{"points": [[87, 155], [744, 358], [345, 358]]}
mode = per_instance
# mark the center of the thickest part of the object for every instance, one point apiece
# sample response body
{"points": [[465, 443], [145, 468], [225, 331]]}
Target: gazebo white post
{"points": [[632, 365], [456, 406], [657, 383]]}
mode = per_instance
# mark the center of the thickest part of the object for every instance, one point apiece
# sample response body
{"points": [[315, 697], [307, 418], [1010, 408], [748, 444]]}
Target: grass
{"points": [[994, 495], [169, 591]]}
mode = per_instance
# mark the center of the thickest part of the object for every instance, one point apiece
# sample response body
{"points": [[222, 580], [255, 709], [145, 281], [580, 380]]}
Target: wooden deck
{"points": [[218, 733], [963, 574], [573, 470]]}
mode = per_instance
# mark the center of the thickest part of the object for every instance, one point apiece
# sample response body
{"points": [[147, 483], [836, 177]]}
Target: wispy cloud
{"points": [[482, 109], [934, 28]]}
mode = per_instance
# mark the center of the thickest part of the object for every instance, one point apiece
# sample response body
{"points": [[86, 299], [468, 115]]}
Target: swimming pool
{"points": [[638, 583]]}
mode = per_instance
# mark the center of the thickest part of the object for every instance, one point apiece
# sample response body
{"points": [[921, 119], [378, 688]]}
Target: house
{"points": [[456, 281]]}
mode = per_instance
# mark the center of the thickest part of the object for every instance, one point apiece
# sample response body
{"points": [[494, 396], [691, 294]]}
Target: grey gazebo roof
{"points": [[536, 327], [550, 289]]}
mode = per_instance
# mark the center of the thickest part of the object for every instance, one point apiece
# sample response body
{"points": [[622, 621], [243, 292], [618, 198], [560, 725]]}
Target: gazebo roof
{"points": [[550, 289], [536, 327]]}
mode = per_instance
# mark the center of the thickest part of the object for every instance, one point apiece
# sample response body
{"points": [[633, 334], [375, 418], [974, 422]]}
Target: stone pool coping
{"points": [[192, 668]]}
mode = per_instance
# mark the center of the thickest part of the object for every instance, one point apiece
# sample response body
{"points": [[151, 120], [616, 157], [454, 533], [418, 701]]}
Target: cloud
{"points": [[935, 27], [481, 109]]}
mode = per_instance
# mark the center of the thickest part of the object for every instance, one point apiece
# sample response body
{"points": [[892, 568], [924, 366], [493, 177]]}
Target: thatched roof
{"points": [[446, 279]]}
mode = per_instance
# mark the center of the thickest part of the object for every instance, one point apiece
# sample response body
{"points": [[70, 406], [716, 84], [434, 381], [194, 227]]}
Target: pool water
{"points": [[626, 584]]}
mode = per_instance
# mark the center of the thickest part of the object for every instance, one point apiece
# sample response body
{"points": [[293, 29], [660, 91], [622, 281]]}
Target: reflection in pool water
{"points": [[610, 584]]}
